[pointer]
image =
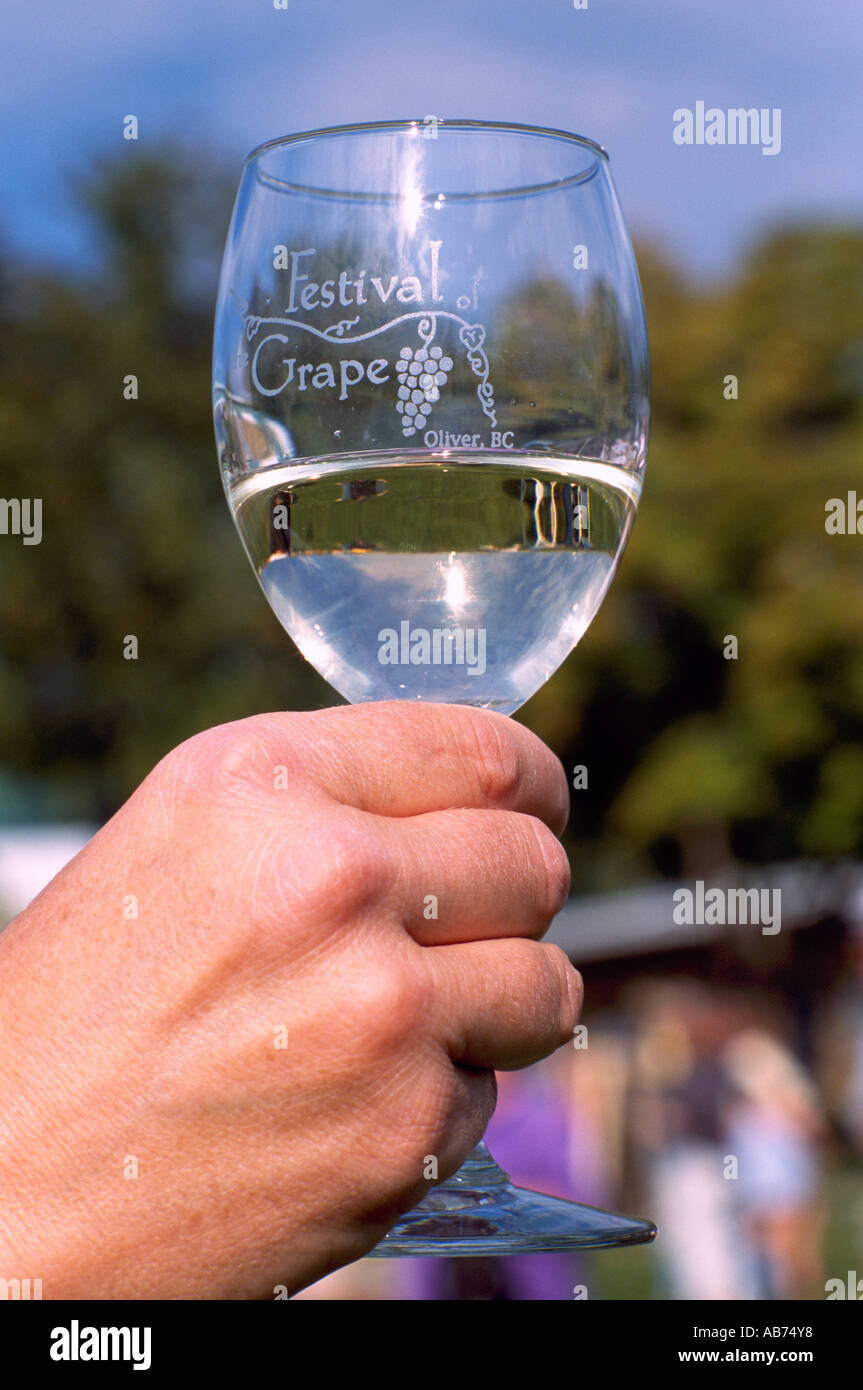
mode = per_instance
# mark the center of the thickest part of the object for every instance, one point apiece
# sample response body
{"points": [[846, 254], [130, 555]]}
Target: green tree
{"points": [[691, 755]]}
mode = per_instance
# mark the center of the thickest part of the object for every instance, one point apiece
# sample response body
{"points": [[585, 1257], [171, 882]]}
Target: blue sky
{"points": [[235, 72]]}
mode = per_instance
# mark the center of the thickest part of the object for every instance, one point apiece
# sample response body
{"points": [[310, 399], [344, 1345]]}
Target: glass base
{"points": [[478, 1211]]}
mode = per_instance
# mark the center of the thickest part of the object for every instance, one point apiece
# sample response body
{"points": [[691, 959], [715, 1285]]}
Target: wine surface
{"points": [[467, 579]]}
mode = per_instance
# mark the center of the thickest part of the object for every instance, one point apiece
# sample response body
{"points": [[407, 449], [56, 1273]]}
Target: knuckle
{"points": [[567, 986], [393, 1000], [562, 786], [343, 872], [251, 755], [556, 871], [496, 758], [221, 757]]}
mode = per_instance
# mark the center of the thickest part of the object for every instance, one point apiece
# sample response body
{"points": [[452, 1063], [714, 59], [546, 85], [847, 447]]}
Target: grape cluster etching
{"points": [[421, 374]]}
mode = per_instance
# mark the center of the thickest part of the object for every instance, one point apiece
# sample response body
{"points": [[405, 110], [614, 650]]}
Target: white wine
{"points": [[465, 579]]}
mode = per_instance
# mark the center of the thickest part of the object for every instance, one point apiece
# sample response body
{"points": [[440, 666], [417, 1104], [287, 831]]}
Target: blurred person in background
{"points": [[841, 1043], [773, 1124], [681, 1089]]}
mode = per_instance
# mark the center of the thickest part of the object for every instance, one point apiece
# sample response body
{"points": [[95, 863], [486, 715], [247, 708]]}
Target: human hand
{"points": [[157, 1140]]}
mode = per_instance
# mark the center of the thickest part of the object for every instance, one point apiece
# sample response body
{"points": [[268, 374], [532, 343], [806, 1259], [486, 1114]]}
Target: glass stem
{"points": [[478, 1170]]}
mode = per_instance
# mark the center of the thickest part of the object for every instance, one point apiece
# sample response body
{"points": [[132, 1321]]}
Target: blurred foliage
{"points": [[137, 537], [690, 755]]}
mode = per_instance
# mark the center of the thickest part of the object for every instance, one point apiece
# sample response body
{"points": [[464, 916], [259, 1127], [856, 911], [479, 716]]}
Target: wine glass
{"points": [[431, 407]]}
